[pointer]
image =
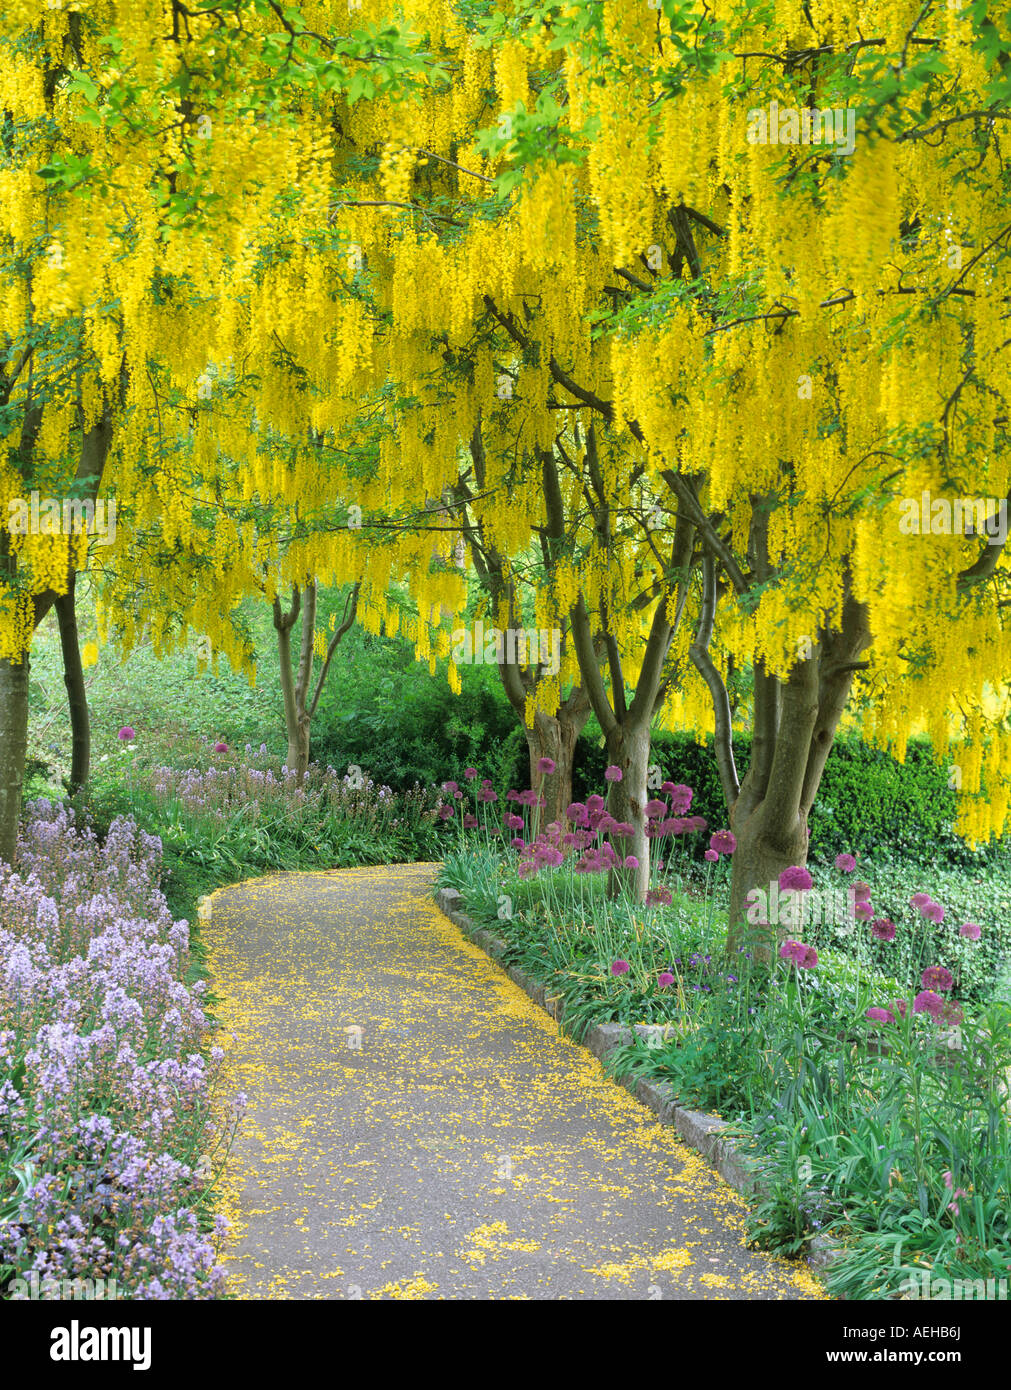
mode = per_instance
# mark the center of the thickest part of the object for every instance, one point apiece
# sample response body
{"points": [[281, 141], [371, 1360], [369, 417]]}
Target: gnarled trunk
{"points": [[764, 850]]}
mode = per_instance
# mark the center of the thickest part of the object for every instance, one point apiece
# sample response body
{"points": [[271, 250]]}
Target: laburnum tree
{"points": [[150, 153], [767, 247]]}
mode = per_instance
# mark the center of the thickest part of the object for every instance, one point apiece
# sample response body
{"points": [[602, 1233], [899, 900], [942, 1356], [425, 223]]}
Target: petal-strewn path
{"points": [[464, 1149]]}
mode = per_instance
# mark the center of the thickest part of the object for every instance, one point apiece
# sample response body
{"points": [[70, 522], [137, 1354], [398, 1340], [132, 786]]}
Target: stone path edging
{"points": [[701, 1132]]}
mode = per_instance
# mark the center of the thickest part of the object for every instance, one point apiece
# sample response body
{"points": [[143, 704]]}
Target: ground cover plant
{"points": [[112, 1135], [865, 1063]]}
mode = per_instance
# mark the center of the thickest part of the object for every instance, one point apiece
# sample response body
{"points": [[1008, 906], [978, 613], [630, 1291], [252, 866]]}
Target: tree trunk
{"points": [[628, 745], [77, 695], [13, 748], [299, 708], [554, 737], [763, 851]]}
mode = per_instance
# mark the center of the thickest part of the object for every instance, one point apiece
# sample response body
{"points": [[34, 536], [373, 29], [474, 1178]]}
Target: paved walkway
{"points": [[464, 1149]]}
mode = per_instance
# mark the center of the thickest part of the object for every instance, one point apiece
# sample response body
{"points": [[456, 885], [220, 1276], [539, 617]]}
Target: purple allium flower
{"points": [[883, 929], [723, 842], [862, 892], [795, 878], [469, 822], [612, 773], [712, 856], [846, 863], [545, 766], [791, 950], [594, 803], [513, 822], [487, 794], [934, 912], [809, 959], [126, 734], [451, 787], [655, 808], [664, 979], [969, 929], [631, 862], [927, 1002], [659, 897], [919, 900], [936, 977], [221, 748], [620, 967], [863, 912], [880, 1015], [470, 773]]}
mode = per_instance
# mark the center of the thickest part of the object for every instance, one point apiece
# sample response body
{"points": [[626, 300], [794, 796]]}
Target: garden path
{"points": [[464, 1149]]}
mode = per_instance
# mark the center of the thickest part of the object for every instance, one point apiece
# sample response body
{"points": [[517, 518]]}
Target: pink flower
{"points": [[631, 862], [221, 748], [862, 892], [845, 862], [723, 842], [545, 766], [665, 978], [809, 959], [470, 773], [969, 929], [594, 803], [655, 808], [883, 929], [712, 856], [620, 967], [469, 822], [926, 1002], [451, 787], [794, 878], [920, 900], [934, 912], [901, 1007], [791, 950], [658, 897], [936, 977], [126, 734], [863, 912], [881, 1015], [612, 773]]}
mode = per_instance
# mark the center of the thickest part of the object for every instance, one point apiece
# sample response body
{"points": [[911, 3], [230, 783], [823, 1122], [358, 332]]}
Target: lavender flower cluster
{"points": [[107, 1142]]}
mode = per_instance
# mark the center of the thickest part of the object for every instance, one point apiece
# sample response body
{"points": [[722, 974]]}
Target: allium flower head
{"points": [[612, 773], [927, 1002], [880, 1015], [221, 748], [934, 912], [126, 734], [969, 929], [862, 892], [545, 766], [936, 977], [883, 929], [620, 967], [470, 773], [712, 856], [795, 878], [723, 841], [846, 863], [919, 900], [664, 979]]}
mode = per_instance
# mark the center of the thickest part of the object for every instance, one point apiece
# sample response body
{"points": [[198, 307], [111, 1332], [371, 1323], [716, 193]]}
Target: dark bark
{"points": [[77, 695]]}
